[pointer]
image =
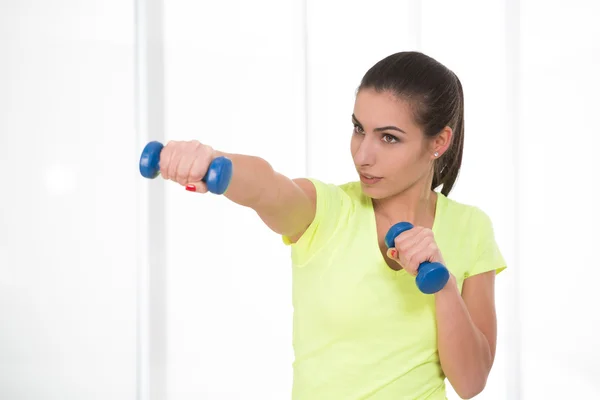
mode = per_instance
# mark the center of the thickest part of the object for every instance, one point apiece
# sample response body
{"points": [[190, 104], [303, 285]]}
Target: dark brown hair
{"points": [[436, 96]]}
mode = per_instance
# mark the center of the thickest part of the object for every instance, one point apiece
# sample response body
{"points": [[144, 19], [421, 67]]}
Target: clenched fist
{"points": [[186, 163], [414, 247]]}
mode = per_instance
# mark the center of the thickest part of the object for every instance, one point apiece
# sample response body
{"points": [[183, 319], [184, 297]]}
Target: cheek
{"points": [[405, 163], [424, 159], [354, 144], [426, 150]]}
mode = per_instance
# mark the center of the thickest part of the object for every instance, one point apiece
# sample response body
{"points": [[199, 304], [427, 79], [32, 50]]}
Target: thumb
{"points": [[196, 187], [392, 253]]}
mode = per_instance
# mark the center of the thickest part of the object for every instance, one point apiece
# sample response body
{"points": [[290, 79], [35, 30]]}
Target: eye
{"points": [[358, 129], [390, 138]]}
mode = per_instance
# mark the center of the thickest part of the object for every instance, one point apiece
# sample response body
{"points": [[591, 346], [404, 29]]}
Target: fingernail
{"points": [[190, 188], [394, 253]]}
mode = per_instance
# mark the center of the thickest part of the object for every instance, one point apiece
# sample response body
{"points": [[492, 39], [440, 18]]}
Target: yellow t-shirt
{"points": [[361, 329]]}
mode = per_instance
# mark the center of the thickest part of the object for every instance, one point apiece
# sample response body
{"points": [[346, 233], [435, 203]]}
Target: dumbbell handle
{"points": [[431, 276], [217, 177]]}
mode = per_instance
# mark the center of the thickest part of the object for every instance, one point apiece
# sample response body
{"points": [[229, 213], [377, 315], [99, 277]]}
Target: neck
{"points": [[415, 205]]}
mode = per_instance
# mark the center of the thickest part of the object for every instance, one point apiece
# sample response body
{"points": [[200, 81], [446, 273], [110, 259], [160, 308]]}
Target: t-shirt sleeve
{"points": [[330, 203], [488, 256]]}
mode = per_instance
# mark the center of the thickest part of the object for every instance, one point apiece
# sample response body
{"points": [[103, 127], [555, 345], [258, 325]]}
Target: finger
{"points": [[197, 187], [198, 169], [165, 160], [425, 251], [187, 161], [419, 258], [416, 256], [408, 239], [392, 254], [435, 253], [184, 168], [174, 162]]}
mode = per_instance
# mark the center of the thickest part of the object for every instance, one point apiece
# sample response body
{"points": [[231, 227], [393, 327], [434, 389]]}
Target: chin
{"points": [[373, 191]]}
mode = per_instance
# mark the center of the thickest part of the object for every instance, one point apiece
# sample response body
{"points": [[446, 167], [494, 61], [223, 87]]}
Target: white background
{"points": [[112, 286]]}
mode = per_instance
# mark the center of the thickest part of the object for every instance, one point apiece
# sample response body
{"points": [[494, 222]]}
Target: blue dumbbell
{"points": [[217, 177], [432, 276]]}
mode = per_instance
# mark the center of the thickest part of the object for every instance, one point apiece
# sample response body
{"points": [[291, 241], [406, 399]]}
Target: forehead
{"points": [[374, 109]]}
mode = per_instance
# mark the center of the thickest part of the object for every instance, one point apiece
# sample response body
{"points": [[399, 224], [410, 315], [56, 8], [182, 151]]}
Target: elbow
{"points": [[471, 388], [470, 382], [469, 394]]}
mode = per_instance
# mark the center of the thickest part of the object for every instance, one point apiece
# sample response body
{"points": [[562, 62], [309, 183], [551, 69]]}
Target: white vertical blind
{"points": [[557, 189], [68, 204]]}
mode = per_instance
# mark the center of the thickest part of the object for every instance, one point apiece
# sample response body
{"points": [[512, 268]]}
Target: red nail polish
{"points": [[394, 253], [190, 188]]}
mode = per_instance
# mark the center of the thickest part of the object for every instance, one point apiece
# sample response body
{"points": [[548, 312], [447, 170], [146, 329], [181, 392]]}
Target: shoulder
{"points": [[328, 194], [353, 190], [464, 214], [350, 188], [468, 226], [333, 204], [472, 231]]}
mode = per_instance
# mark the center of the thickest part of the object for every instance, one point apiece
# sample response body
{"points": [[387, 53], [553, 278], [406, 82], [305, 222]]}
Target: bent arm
{"points": [[467, 332], [286, 206]]}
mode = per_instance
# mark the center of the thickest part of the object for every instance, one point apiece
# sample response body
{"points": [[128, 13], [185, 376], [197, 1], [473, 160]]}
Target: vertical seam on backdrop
{"points": [[513, 65], [157, 253], [141, 136], [151, 309]]}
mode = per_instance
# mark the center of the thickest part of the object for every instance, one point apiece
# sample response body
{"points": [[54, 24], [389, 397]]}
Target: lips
{"points": [[369, 179]]}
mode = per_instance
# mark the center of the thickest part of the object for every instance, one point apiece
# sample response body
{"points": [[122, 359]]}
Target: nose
{"points": [[365, 155]]}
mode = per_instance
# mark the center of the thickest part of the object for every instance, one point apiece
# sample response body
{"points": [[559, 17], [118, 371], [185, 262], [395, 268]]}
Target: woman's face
{"points": [[389, 150]]}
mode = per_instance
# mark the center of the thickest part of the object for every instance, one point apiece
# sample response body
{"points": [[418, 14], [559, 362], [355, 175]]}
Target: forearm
{"points": [[464, 351], [279, 201], [252, 180]]}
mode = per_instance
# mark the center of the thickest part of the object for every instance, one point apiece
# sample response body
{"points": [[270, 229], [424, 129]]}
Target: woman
{"points": [[362, 328]]}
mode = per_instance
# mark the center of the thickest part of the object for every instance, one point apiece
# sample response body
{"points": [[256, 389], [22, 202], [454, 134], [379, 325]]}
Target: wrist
{"points": [[450, 286], [216, 153]]}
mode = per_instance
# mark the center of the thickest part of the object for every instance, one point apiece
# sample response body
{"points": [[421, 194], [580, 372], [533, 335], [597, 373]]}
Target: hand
{"points": [[413, 247], [186, 163]]}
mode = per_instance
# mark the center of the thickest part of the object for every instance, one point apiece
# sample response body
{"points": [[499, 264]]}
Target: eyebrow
{"points": [[383, 128]]}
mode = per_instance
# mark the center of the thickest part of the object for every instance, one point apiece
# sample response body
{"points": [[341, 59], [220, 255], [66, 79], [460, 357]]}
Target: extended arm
{"points": [[286, 206]]}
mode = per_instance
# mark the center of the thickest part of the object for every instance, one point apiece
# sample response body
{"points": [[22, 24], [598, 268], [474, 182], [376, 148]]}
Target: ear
{"points": [[441, 142]]}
